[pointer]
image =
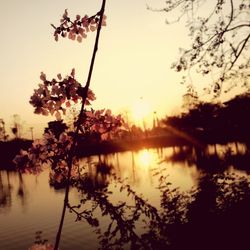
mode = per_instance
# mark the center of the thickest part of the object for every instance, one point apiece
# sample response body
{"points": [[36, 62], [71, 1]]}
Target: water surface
{"points": [[29, 204]]}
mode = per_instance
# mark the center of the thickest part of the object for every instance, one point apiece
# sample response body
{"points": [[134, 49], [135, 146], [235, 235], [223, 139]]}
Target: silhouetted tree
{"points": [[234, 115], [220, 33], [5, 192], [218, 122], [201, 118], [3, 135]]}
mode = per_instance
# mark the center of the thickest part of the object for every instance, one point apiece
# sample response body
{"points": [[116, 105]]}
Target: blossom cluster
{"points": [[77, 29], [53, 97], [54, 150], [45, 246], [102, 122], [48, 150]]}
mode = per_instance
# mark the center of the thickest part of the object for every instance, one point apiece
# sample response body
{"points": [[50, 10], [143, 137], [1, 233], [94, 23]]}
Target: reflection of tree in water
{"points": [[212, 216], [22, 191], [219, 214], [213, 162], [5, 192], [98, 175]]}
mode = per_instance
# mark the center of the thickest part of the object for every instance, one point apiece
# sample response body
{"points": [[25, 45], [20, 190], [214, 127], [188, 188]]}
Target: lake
{"points": [[124, 198]]}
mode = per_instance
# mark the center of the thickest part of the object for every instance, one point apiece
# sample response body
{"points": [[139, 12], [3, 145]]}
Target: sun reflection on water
{"points": [[146, 158]]}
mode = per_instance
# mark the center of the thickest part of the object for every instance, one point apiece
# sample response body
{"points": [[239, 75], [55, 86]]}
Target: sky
{"points": [[132, 70]]}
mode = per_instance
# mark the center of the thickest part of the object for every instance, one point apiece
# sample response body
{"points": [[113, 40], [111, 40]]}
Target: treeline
{"points": [[216, 122], [9, 149]]}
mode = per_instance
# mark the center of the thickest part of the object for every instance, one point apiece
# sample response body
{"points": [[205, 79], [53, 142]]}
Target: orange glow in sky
{"points": [[135, 53]]}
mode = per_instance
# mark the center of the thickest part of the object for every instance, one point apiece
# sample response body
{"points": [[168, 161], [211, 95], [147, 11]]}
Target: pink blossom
{"points": [[49, 97], [63, 137], [79, 39], [108, 112], [43, 76], [91, 95], [92, 28], [72, 29], [72, 35], [58, 116], [81, 31], [67, 104], [59, 76], [85, 21], [104, 23], [90, 114], [45, 112], [73, 73], [46, 246], [104, 136], [65, 15]]}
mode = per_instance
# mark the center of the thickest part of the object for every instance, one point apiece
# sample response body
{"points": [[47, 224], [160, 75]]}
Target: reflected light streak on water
{"points": [[146, 158]]}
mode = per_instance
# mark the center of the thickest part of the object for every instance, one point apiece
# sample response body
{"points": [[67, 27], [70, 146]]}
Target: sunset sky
{"points": [[132, 66]]}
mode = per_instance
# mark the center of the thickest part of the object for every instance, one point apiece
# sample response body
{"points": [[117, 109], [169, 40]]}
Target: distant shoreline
{"points": [[10, 149]]}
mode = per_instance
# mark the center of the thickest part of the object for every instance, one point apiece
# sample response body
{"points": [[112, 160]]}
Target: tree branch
{"points": [[73, 147], [240, 51]]}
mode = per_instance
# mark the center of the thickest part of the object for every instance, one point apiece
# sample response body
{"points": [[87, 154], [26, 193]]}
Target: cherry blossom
{"points": [[78, 28], [54, 151], [102, 122], [48, 150], [46, 246], [54, 96]]}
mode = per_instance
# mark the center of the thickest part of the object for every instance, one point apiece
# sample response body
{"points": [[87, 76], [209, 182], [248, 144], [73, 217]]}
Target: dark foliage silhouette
{"points": [[206, 121], [213, 215]]}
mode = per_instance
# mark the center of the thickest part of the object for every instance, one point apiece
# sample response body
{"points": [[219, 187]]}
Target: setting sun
{"points": [[140, 111]]}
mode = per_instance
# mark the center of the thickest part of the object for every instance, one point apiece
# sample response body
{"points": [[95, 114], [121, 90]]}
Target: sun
{"points": [[145, 158], [140, 110]]}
